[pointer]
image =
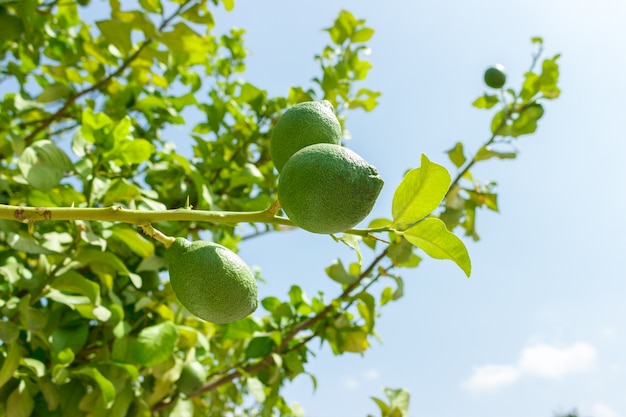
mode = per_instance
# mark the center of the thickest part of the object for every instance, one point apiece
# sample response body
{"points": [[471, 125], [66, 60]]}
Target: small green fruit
{"points": [[192, 377], [326, 188], [302, 125], [211, 281], [495, 76]]}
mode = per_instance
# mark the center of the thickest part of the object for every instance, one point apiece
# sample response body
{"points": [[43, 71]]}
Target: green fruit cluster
{"points": [[323, 187]]}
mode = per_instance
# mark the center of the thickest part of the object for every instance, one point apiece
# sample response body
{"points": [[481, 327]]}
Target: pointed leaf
{"points": [[155, 344], [432, 237], [456, 155], [106, 387], [420, 192]]}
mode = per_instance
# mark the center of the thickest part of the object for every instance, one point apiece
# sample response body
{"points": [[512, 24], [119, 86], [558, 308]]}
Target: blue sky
{"points": [[540, 326]]}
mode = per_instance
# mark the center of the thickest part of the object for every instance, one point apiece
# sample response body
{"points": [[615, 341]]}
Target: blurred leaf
{"points": [[117, 33], [136, 151], [257, 389], [43, 164], [10, 363], [54, 92], [106, 387], [487, 152], [338, 273], [420, 192], [362, 35], [135, 242], [456, 155], [20, 402], [353, 340], [259, 347], [486, 101], [155, 344], [9, 332], [432, 237], [26, 244], [484, 199], [11, 27]]}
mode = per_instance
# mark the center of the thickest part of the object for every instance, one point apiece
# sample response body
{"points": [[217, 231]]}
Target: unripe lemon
{"points": [[192, 377], [302, 125], [495, 77], [327, 188], [211, 281]]}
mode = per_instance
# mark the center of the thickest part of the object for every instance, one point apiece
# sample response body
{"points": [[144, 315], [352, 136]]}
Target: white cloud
{"points": [[603, 410], [353, 383], [491, 377], [539, 360], [551, 362]]}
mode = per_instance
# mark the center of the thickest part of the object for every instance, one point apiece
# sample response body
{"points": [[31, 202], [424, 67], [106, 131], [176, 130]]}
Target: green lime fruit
{"points": [[211, 281], [192, 377], [495, 76], [325, 188], [302, 125]]}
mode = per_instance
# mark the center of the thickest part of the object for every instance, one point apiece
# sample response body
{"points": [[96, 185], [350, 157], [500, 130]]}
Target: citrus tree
{"points": [[121, 293]]}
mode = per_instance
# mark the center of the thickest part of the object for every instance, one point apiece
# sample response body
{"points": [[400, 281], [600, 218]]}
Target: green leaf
{"points": [[136, 151], [20, 402], [337, 272], [352, 241], [54, 92], [26, 244], [135, 242], [152, 6], [456, 155], [11, 363], [11, 27], [487, 152], [259, 347], [353, 340], [44, 164], [362, 35], [256, 388], [420, 192], [106, 387], [526, 121], [432, 237], [155, 344], [72, 281], [486, 101], [117, 33], [72, 337], [398, 399], [484, 199], [9, 332]]}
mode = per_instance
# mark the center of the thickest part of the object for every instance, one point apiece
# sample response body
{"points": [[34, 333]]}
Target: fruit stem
{"points": [[156, 234]]}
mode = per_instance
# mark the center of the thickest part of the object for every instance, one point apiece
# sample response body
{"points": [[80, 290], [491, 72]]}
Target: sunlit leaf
{"points": [[432, 237], [420, 192], [155, 344], [486, 101]]}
